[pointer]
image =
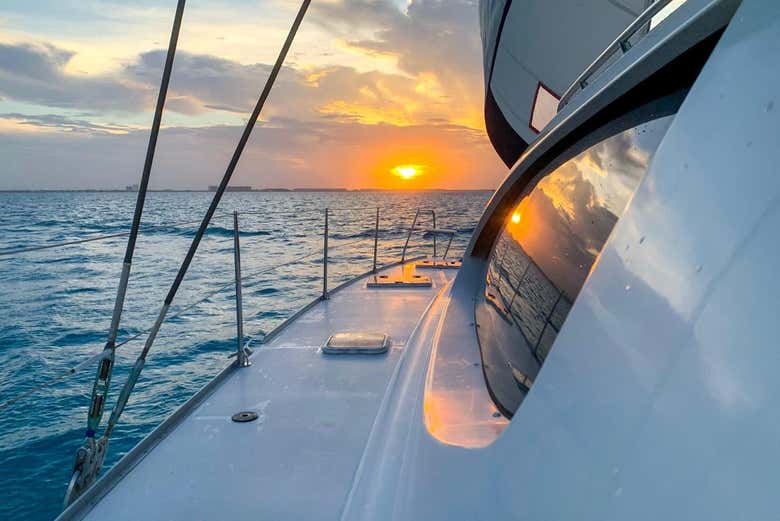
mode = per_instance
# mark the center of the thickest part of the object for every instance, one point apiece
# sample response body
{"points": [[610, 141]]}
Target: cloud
{"points": [[433, 36], [202, 84], [435, 44], [336, 92], [63, 123], [35, 73], [344, 16], [281, 153], [209, 82]]}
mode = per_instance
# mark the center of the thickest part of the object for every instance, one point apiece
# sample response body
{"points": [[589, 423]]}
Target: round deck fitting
{"points": [[244, 416]]}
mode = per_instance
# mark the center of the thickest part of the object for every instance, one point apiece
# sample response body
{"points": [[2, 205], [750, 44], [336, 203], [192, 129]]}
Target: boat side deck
{"points": [[315, 412]]}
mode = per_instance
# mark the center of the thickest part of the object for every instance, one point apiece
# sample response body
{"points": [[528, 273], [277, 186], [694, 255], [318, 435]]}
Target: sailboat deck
{"points": [[315, 413]]}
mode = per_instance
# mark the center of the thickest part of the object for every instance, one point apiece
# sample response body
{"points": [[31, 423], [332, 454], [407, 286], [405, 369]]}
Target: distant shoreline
{"points": [[258, 190]]}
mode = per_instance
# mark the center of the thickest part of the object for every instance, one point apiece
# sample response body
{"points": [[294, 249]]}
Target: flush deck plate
{"points": [[399, 281], [439, 264]]}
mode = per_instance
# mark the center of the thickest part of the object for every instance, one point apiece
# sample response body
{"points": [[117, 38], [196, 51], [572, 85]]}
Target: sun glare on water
{"points": [[407, 171]]}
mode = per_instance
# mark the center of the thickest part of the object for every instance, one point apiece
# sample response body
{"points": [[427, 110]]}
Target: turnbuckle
{"points": [[89, 460]]}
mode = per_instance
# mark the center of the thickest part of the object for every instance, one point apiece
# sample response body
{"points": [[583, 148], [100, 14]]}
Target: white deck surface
{"points": [[298, 460]]}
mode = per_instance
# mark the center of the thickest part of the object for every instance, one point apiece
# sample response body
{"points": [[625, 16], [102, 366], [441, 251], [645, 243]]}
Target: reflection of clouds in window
{"points": [[549, 244], [615, 166], [563, 227]]}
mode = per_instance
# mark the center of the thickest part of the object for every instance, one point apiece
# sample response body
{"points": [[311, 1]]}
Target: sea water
{"points": [[56, 304]]}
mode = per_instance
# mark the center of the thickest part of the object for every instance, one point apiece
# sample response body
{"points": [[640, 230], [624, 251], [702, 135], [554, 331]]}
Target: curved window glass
{"points": [[545, 251]]}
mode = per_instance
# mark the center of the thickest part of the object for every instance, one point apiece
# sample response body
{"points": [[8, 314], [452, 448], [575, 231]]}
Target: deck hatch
{"points": [[356, 343]]}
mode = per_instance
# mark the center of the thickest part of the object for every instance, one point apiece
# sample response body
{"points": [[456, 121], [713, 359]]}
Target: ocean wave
{"points": [[79, 338], [228, 232], [265, 291], [358, 235], [212, 346]]}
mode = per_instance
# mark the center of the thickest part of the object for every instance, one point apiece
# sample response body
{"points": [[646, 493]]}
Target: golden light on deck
{"points": [[516, 217], [407, 171]]}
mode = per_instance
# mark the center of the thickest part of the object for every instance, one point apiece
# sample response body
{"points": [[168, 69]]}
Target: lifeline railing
{"points": [[242, 351], [434, 232], [242, 355], [621, 44]]}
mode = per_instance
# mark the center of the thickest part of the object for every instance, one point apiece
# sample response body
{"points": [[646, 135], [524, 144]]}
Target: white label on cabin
{"points": [[545, 108], [666, 11]]}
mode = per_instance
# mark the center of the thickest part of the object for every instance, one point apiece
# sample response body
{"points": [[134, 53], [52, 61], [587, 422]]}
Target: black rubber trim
{"points": [[504, 14], [505, 140]]}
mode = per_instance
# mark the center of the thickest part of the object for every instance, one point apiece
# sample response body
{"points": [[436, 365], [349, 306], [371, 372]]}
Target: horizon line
{"points": [[255, 190]]}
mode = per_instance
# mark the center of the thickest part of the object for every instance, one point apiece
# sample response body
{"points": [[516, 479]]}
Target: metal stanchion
{"points": [[242, 356], [325, 258], [376, 238]]}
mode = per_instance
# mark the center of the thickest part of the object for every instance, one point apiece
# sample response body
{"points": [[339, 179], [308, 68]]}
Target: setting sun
{"points": [[516, 217], [407, 171]]}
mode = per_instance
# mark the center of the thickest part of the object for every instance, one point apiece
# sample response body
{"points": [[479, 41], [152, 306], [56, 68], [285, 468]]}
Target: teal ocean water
{"points": [[55, 304]]}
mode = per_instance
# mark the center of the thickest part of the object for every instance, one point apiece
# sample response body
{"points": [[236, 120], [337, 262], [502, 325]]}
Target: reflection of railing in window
{"points": [[536, 305]]}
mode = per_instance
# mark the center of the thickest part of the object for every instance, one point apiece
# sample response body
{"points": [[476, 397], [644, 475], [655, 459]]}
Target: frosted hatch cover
{"points": [[356, 343]]}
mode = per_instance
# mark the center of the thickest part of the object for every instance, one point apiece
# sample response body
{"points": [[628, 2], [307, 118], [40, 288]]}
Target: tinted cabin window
{"points": [[546, 250]]}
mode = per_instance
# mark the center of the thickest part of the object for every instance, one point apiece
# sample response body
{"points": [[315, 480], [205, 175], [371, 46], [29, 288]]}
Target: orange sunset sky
{"points": [[374, 94]]}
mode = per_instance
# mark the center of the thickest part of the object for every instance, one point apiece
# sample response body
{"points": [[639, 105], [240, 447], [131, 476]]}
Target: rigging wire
{"points": [[89, 458], [135, 372], [103, 376]]}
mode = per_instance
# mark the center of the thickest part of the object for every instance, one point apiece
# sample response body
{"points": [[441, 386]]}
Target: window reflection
{"points": [[546, 250]]}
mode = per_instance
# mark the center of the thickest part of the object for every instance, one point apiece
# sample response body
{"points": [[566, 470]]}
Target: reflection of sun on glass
{"points": [[516, 217], [407, 171]]}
